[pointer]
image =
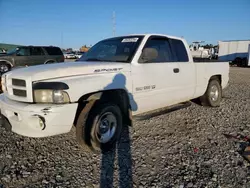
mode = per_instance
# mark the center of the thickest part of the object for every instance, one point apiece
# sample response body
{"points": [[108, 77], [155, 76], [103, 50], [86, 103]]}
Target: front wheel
{"points": [[101, 128], [213, 94]]}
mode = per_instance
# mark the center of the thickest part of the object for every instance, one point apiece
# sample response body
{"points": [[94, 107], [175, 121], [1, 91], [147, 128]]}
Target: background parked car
{"points": [[30, 55], [69, 55], [79, 54]]}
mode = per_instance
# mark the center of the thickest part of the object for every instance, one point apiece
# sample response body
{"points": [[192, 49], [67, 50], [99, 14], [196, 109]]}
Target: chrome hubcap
{"points": [[106, 127], [214, 93]]}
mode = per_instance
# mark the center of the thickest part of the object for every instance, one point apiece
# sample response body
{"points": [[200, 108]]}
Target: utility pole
{"points": [[114, 23], [61, 39]]}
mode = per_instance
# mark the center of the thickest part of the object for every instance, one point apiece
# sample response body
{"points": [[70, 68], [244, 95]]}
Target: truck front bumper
{"points": [[37, 120]]}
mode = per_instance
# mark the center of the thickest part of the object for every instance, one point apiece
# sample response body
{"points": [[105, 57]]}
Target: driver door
{"points": [[22, 57], [155, 82]]}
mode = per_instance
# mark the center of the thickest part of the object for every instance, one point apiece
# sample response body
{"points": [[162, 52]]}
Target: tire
{"points": [[238, 62], [88, 127], [213, 94], [244, 62], [4, 67]]}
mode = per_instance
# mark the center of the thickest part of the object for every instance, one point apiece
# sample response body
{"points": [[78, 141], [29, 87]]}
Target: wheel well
{"points": [[7, 62], [118, 96], [216, 77], [50, 60]]}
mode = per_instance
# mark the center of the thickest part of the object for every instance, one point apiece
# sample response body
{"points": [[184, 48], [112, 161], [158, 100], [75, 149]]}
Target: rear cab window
{"points": [[179, 50]]}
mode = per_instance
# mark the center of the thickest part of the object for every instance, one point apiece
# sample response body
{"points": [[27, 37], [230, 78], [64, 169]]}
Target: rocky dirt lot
{"points": [[184, 148]]}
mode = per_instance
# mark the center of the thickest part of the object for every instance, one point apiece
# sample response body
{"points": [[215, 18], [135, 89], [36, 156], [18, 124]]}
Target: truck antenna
{"points": [[61, 39]]}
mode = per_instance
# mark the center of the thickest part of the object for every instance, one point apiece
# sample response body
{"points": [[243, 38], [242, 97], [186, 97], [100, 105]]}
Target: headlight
{"points": [[51, 96]]}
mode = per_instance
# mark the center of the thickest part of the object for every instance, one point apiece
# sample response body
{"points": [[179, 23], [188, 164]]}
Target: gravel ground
{"points": [[184, 148]]}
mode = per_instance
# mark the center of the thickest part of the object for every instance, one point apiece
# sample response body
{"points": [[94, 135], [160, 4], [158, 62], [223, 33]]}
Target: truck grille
{"points": [[20, 92], [18, 82], [18, 88]]}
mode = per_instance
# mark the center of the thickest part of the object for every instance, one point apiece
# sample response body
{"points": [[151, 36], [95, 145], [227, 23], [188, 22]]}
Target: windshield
{"points": [[11, 52], [119, 49]]}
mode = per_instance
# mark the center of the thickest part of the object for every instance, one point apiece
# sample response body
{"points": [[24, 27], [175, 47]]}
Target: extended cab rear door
{"points": [[187, 69], [22, 57]]}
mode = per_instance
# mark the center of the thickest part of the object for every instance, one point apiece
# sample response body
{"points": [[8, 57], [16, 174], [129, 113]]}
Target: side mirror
{"points": [[148, 54]]}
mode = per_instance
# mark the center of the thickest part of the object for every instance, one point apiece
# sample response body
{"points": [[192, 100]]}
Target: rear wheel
{"points": [[100, 128], [238, 62], [244, 62], [213, 94], [4, 67]]}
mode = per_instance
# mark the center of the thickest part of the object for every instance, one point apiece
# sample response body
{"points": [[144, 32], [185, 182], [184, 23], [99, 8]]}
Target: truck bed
{"points": [[204, 70]]}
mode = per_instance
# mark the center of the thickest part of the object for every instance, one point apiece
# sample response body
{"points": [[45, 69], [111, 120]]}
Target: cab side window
{"points": [[156, 50], [36, 51], [23, 52], [53, 50]]}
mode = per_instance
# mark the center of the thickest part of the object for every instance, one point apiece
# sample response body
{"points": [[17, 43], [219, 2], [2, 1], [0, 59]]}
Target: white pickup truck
{"points": [[117, 78]]}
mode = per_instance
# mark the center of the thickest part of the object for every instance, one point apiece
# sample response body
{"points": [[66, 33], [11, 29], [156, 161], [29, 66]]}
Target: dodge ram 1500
{"points": [[116, 79]]}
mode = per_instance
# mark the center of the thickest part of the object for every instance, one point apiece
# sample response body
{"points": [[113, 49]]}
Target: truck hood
{"points": [[58, 70]]}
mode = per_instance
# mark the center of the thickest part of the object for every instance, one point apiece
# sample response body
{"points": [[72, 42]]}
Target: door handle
{"points": [[176, 70]]}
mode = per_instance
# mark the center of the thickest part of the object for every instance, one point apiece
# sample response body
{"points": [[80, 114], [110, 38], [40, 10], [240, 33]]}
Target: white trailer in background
{"points": [[235, 51], [249, 55]]}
